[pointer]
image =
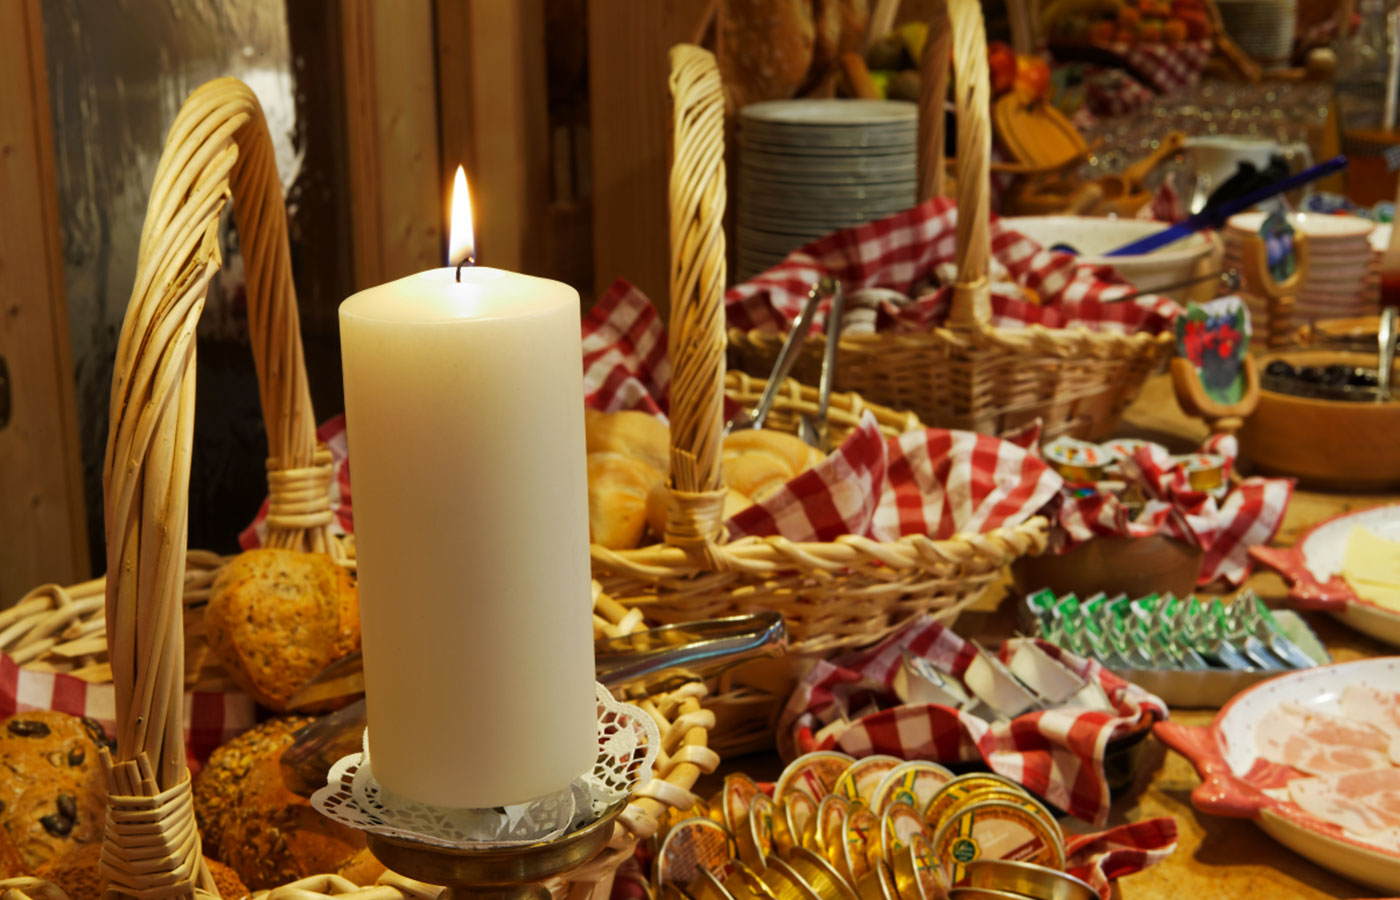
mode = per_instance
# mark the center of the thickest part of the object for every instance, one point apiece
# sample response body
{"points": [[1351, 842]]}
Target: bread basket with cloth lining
{"points": [[834, 594], [219, 148], [969, 373]]}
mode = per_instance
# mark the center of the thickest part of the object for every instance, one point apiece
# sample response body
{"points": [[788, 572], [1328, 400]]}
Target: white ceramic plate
{"points": [[832, 112], [1314, 225], [1311, 566], [1235, 778]]}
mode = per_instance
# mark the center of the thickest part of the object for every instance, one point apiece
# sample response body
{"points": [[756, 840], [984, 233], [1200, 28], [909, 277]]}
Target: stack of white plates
{"points": [[1261, 28], [811, 167], [1343, 277]]}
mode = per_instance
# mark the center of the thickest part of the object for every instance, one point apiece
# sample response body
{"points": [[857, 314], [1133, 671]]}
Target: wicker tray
{"points": [[969, 374], [217, 148], [846, 593]]}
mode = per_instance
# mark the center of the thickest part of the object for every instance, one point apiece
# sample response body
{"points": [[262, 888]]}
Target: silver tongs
{"points": [[631, 666], [787, 357]]}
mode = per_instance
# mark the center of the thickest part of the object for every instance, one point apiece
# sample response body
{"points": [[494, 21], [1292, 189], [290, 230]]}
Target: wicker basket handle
{"points": [[697, 339], [218, 146], [956, 27]]}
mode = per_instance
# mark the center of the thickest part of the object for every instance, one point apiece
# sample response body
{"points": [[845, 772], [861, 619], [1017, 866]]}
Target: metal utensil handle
{"points": [[834, 318], [788, 355], [1230, 276], [1387, 353]]}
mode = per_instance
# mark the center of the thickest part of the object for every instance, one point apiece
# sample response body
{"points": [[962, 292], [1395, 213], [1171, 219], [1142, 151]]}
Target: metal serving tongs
{"points": [[787, 356], [631, 666], [1386, 339], [817, 433]]}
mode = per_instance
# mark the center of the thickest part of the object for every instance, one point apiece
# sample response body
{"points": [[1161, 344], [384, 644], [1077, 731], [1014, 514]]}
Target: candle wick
{"points": [[469, 261]]}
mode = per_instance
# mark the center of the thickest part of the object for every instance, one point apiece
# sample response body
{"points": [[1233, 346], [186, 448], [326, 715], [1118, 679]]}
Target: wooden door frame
{"points": [[43, 529]]}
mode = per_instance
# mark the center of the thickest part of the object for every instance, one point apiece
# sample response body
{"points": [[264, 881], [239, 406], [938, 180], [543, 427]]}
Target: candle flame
{"points": [[461, 244]]}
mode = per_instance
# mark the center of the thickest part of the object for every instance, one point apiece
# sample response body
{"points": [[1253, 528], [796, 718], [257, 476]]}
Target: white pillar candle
{"points": [[464, 408]]}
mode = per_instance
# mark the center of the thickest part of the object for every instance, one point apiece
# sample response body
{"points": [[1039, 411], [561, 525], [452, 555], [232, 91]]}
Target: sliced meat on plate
{"points": [[1321, 744], [1365, 804], [1366, 703]]}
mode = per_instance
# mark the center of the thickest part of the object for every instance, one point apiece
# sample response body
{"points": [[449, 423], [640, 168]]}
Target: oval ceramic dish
{"points": [[1234, 778], [1312, 567]]}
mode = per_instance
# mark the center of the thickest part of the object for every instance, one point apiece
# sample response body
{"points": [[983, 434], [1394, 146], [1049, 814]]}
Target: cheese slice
{"points": [[1371, 558], [1383, 595]]}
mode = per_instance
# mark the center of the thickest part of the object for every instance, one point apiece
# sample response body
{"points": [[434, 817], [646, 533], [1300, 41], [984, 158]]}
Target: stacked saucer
{"points": [[811, 167], [1261, 28], [1343, 277]]}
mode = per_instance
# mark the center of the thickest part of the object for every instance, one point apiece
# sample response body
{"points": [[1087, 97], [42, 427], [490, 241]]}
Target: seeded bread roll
{"points": [[52, 793], [11, 864], [277, 617], [766, 48], [251, 821], [639, 435]]}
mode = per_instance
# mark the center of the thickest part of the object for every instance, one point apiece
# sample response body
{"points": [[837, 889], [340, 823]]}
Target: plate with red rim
{"points": [[1236, 781], [1312, 568]]}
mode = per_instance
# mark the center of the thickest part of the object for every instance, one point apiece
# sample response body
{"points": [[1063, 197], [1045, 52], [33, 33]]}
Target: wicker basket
{"points": [[968, 374], [219, 147], [849, 592]]}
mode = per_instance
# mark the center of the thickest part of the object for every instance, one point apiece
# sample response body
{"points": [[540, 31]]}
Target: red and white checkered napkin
{"points": [[1166, 67], [904, 251], [1113, 92], [934, 482], [211, 719], [1248, 516], [1057, 754]]}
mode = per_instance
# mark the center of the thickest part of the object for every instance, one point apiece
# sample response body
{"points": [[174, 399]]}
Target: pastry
{"points": [[639, 435], [52, 793], [617, 499], [278, 617], [251, 821], [766, 48], [757, 462]]}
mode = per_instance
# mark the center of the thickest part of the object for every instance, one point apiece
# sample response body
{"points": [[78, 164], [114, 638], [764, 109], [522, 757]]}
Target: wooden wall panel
{"points": [[42, 532], [397, 198], [628, 43]]}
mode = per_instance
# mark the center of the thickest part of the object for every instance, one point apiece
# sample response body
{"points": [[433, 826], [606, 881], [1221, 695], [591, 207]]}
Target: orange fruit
{"points": [[1174, 32]]}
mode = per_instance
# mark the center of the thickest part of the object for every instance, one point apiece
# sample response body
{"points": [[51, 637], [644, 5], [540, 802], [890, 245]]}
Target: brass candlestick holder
{"points": [[496, 872]]}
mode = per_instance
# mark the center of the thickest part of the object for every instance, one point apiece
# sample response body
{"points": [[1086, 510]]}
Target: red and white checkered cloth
{"points": [[1106, 856], [934, 482], [1057, 754], [211, 719], [903, 251], [1167, 67], [1113, 92], [1248, 516]]}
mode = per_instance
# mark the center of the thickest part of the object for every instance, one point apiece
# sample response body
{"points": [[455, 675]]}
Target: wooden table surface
{"points": [[1215, 857]]}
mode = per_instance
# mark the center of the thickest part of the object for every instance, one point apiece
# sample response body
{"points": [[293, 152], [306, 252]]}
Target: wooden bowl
{"points": [[1331, 444], [1132, 566]]}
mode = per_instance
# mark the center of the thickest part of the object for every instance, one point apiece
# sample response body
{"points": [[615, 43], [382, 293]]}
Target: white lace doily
{"points": [[628, 742]]}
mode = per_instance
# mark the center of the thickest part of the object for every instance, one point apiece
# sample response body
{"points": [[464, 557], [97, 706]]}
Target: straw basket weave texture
{"points": [[844, 593], [219, 147], [969, 374]]}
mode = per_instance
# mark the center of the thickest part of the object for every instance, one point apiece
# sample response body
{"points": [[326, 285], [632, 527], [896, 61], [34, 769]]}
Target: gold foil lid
{"points": [[915, 782], [800, 813], [878, 883], [997, 829], [917, 873], [1204, 471], [898, 826], [822, 876], [673, 817], [706, 886], [755, 838], [831, 825], [757, 888], [672, 891], [786, 883], [1019, 797], [960, 787], [692, 845], [814, 774], [862, 834], [739, 791], [858, 783], [785, 836]]}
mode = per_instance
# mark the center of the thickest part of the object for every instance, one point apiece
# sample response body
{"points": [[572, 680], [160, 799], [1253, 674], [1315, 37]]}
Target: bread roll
{"points": [[758, 462], [766, 48], [52, 794], [639, 435], [617, 499], [76, 872], [659, 497], [253, 823], [277, 617]]}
